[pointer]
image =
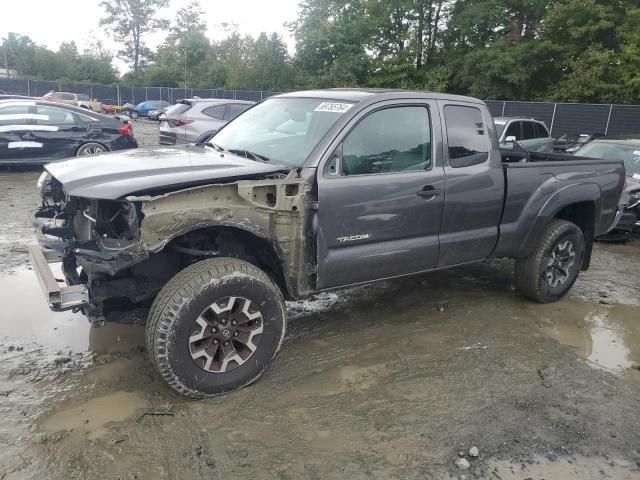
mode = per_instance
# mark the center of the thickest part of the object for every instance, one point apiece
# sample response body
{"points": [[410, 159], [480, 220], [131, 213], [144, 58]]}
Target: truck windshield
{"points": [[283, 130]]}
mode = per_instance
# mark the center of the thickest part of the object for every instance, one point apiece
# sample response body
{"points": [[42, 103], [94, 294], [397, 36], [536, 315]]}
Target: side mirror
{"points": [[510, 138]]}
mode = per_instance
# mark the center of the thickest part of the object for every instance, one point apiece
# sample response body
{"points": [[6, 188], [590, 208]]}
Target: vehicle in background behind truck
{"points": [[531, 134], [627, 149], [37, 132], [193, 120], [571, 142], [143, 108], [305, 192], [77, 99]]}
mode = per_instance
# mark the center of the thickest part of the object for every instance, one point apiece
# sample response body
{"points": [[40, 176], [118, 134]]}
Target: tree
{"points": [[130, 21]]}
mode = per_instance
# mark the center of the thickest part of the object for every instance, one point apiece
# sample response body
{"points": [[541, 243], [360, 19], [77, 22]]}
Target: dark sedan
{"points": [[36, 132]]}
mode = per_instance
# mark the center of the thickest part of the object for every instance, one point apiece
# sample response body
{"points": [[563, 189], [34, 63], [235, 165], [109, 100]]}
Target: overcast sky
{"points": [[51, 22]]}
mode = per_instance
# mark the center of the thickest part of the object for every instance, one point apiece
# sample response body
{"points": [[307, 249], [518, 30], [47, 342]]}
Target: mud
{"points": [[386, 381]]}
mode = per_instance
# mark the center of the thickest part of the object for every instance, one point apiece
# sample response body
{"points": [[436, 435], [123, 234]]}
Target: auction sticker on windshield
{"points": [[333, 107]]}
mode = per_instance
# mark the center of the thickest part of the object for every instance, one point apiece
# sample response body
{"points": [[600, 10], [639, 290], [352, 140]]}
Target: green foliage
{"points": [[562, 50], [129, 22]]}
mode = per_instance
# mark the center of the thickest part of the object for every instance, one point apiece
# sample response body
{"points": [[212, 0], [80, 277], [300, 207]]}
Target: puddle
{"points": [[26, 318], [92, 417], [583, 468], [608, 337]]}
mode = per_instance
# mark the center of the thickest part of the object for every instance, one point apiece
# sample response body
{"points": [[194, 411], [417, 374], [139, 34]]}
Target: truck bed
{"points": [[538, 185]]}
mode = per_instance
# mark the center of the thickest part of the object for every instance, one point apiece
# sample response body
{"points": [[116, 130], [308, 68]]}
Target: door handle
{"points": [[428, 192]]}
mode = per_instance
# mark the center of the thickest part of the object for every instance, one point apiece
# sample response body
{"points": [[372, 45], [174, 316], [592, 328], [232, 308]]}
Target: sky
{"points": [[50, 23]]}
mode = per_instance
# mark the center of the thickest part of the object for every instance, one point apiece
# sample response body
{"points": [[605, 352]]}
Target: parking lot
{"points": [[394, 380]]}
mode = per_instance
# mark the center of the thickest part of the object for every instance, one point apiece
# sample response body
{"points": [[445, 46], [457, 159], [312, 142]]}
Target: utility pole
{"points": [[6, 62]]}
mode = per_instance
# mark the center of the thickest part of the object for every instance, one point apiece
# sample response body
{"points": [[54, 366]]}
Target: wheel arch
{"points": [[234, 242], [577, 203]]}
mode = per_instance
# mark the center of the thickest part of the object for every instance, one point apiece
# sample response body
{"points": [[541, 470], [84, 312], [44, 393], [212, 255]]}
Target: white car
{"points": [[532, 135]]}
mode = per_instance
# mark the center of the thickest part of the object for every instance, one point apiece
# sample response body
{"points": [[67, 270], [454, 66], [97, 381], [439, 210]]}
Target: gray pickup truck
{"points": [[305, 192]]}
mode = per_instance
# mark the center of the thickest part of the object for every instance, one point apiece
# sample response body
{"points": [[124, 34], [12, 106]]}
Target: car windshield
{"points": [[283, 130], [630, 154]]}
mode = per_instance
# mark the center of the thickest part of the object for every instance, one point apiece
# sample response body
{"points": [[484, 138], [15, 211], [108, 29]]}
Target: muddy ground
{"points": [[394, 380]]}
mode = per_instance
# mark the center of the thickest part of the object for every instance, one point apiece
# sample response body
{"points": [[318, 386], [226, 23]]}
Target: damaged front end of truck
{"points": [[116, 255]]}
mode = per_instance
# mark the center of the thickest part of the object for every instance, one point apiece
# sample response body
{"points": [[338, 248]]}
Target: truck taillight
{"points": [[177, 123], [126, 129]]}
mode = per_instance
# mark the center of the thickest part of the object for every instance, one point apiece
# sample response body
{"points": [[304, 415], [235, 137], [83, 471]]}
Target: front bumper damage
{"points": [[59, 297]]}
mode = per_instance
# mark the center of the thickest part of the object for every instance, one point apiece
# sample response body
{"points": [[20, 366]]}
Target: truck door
{"points": [[380, 195], [475, 184]]}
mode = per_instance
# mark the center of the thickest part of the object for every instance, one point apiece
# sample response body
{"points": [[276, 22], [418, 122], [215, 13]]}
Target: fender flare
{"points": [[562, 198]]}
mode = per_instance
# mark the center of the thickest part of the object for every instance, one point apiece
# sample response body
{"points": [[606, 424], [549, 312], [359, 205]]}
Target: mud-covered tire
{"points": [[172, 322], [530, 273]]}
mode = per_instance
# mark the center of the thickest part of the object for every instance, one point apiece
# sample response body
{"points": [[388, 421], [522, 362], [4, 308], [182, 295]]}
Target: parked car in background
{"points": [[531, 134], [196, 119], [37, 131], [627, 149], [156, 113], [571, 142], [143, 108], [78, 99]]}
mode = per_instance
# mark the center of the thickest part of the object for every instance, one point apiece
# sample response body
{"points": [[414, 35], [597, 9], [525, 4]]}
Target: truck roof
{"points": [[360, 94]]}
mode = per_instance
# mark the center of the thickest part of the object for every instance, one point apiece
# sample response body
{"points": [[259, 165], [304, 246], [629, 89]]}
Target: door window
{"points": [[514, 131], [234, 109], [67, 96], [14, 115], [217, 111], [541, 131], [466, 135], [391, 140], [54, 116], [528, 131]]}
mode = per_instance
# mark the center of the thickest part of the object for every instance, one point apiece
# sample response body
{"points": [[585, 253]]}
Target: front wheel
{"points": [[215, 327], [551, 270], [132, 114]]}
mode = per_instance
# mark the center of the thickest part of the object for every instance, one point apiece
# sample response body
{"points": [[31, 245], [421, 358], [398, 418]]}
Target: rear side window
{"points": [[14, 115], [466, 135], [514, 131], [54, 116], [216, 111], [391, 140], [528, 132], [234, 109], [177, 109], [67, 96], [541, 131]]}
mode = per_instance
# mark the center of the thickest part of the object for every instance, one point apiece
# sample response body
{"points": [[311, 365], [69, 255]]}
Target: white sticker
{"points": [[25, 145], [636, 152], [333, 107], [636, 176], [24, 116], [20, 128]]}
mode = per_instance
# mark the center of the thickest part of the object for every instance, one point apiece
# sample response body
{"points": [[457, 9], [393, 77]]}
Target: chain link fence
{"points": [[574, 117], [559, 117], [121, 94]]}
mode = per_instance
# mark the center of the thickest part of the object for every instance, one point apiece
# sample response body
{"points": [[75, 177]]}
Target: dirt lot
{"points": [[394, 380]]}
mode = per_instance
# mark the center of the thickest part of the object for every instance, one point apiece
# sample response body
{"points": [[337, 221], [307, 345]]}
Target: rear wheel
{"points": [[551, 270], [90, 148], [132, 114], [215, 327]]}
